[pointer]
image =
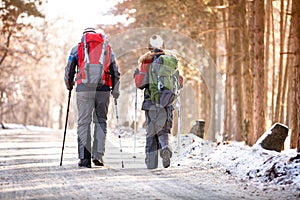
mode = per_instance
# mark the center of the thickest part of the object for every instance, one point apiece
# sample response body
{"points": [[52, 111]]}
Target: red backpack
{"points": [[94, 54]]}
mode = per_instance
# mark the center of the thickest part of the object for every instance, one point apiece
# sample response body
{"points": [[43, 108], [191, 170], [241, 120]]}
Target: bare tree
{"points": [[11, 39], [248, 73], [235, 49], [258, 71]]}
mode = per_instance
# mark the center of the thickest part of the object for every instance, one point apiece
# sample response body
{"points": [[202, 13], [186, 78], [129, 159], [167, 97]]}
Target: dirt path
{"points": [[29, 169]]}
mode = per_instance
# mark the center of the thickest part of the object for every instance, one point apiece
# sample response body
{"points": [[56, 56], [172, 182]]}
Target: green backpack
{"points": [[164, 80]]}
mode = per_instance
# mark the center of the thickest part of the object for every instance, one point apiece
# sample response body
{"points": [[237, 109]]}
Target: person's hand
{"points": [[180, 81], [115, 94], [137, 71], [70, 86]]}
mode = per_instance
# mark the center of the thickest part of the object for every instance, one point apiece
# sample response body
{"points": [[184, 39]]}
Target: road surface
{"points": [[29, 169]]}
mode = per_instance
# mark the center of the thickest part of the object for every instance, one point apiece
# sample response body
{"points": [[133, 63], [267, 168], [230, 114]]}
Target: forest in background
{"points": [[254, 46]]}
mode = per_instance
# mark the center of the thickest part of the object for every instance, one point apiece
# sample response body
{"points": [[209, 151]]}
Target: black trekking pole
{"points": [[63, 146], [119, 134]]}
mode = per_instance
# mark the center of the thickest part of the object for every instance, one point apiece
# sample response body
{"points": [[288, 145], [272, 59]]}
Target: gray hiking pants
{"points": [[92, 105], [159, 123]]}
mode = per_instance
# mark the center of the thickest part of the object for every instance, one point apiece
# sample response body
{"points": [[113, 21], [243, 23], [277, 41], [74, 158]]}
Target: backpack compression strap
{"points": [[86, 53]]}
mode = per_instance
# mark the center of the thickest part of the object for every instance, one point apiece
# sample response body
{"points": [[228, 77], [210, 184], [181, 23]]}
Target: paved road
{"points": [[29, 169]]}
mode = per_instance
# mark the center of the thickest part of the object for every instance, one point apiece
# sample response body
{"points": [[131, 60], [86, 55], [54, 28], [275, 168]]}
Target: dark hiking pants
{"points": [[159, 123], [92, 105]]}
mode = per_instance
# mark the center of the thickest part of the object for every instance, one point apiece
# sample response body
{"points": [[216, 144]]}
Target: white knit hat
{"points": [[91, 30], [156, 41]]}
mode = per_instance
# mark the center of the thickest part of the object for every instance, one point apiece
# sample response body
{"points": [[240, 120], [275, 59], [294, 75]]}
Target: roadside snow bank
{"points": [[242, 161], [13, 126]]}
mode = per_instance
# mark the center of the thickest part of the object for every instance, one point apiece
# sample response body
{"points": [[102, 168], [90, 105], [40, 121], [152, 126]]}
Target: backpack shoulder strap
{"points": [[101, 59]]}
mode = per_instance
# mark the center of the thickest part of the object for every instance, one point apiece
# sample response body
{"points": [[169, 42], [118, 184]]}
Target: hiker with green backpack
{"points": [[159, 77]]}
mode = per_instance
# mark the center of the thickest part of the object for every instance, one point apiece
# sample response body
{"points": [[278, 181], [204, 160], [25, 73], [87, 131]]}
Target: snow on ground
{"points": [[235, 158], [242, 161]]}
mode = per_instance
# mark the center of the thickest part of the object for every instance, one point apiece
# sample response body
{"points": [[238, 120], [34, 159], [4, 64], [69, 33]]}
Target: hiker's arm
{"points": [[115, 75], [142, 77], [70, 68]]}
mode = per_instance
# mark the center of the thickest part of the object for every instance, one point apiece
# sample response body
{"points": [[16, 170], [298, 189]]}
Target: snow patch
{"points": [[242, 161], [20, 126]]}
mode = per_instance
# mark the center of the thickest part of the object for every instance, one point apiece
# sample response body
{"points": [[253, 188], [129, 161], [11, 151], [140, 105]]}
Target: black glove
{"points": [[70, 88], [115, 94], [69, 85], [137, 71]]}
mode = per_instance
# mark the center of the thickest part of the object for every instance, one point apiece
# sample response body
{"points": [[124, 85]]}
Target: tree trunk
{"points": [[292, 100], [227, 135], [248, 80], [273, 68], [283, 108], [267, 51], [279, 102], [293, 109], [258, 64], [60, 117], [236, 51], [296, 32], [213, 74]]}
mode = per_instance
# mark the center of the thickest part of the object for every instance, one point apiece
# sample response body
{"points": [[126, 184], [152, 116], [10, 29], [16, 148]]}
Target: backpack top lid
{"points": [[93, 37], [89, 30]]}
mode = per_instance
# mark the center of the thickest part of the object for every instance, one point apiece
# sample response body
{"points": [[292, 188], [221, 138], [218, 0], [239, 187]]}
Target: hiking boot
{"points": [[85, 163], [166, 154], [98, 162]]}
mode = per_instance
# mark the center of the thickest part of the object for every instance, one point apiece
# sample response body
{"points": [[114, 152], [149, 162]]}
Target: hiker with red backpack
{"points": [[93, 63], [159, 77]]}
